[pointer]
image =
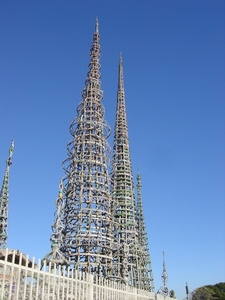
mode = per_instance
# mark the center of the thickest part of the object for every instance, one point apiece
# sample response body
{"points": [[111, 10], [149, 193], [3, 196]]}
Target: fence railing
{"points": [[23, 279]]}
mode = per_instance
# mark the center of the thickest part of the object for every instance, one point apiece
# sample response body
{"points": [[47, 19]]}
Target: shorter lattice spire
{"points": [[4, 199], [55, 255], [147, 281], [126, 259], [164, 290]]}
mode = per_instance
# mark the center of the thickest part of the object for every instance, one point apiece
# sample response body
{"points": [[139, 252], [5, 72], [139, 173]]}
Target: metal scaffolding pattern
{"points": [[99, 228], [87, 234], [126, 258], [147, 281], [4, 199]]}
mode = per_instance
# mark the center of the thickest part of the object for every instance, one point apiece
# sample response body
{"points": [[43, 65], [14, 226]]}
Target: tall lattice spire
{"points": [[126, 258], [4, 198], [147, 282], [87, 235]]}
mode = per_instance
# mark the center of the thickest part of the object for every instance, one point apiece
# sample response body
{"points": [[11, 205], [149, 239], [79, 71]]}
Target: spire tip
{"points": [[121, 61], [96, 25]]}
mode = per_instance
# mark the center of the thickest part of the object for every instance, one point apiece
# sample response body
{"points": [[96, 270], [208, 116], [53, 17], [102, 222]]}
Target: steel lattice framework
{"points": [[147, 281], [4, 201], [87, 235], [126, 258], [98, 227]]}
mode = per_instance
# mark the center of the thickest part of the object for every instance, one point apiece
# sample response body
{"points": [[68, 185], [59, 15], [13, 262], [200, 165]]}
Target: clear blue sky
{"points": [[173, 55]]}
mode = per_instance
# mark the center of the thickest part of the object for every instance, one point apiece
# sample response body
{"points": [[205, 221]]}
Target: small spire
{"points": [[164, 290], [147, 281], [55, 255], [96, 25]]}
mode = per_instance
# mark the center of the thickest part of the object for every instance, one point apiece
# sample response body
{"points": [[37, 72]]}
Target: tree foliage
{"points": [[172, 294], [210, 292]]}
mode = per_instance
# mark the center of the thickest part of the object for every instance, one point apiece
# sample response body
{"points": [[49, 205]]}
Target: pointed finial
{"points": [[121, 58], [96, 25], [164, 265], [120, 78], [11, 150], [138, 173]]}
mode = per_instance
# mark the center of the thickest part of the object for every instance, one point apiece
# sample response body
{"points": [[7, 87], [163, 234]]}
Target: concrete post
{"points": [[90, 287]]}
